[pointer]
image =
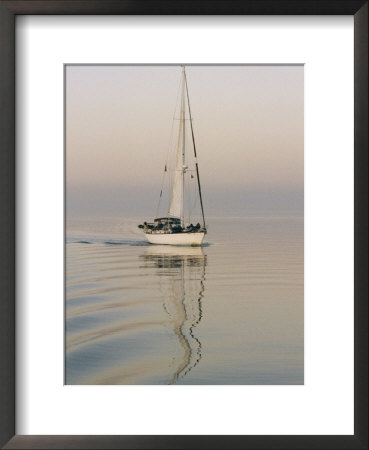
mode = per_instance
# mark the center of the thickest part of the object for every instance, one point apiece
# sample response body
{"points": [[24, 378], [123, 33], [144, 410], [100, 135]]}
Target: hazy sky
{"points": [[248, 123]]}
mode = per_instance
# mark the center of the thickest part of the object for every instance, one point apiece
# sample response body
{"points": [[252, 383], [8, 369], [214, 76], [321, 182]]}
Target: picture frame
{"points": [[8, 11]]}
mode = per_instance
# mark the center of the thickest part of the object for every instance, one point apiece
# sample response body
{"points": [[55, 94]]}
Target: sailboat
{"points": [[173, 228]]}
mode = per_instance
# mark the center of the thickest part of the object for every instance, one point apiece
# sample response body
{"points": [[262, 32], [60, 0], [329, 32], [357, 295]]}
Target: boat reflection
{"points": [[181, 272]]}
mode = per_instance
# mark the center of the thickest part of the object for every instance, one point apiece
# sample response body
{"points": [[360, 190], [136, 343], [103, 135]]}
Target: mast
{"points": [[183, 122], [194, 149], [176, 207], [176, 204]]}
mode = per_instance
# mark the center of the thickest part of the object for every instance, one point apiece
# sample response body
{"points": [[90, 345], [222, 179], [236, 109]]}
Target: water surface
{"points": [[230, 312]]}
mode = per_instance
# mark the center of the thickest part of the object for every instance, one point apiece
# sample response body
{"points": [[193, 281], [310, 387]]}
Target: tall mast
{"points": [[183, 122], [176, 204], [194, 149]]}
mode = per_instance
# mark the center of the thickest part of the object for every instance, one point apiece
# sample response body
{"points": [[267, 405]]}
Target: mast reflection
{"points": [[181, 271]]}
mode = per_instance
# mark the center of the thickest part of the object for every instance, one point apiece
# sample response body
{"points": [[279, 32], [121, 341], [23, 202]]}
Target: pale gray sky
{"points": [[248, 123]]}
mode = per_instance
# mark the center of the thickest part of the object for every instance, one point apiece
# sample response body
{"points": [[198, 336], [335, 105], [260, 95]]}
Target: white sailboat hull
{"points": [[175, 238]]}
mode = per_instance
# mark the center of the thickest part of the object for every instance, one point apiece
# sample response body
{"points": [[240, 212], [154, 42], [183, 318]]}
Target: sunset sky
{"points": [[248, 124]]}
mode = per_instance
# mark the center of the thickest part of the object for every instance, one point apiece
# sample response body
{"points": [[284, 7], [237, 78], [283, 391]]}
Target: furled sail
{"points": [[176, 203]]}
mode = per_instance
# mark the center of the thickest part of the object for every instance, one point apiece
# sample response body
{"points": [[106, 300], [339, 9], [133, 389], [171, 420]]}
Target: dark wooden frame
{"points": [[8, 11]]}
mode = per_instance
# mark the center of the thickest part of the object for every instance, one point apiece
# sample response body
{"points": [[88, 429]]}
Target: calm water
{"points": [[230, 312]]}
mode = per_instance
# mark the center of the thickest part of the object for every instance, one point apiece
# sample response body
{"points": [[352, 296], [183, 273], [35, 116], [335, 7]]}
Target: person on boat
{"points": [[190, 228], [177, 228]]}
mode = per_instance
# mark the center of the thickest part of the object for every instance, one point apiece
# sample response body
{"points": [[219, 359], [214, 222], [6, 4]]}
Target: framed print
{"points": [[248, 331]]}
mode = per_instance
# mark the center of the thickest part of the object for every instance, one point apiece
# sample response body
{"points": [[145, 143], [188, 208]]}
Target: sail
{"points": [[176, 203]]}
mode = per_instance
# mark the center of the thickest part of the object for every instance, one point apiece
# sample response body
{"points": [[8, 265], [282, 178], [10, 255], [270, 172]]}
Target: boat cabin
{"points": [[174, 220]]}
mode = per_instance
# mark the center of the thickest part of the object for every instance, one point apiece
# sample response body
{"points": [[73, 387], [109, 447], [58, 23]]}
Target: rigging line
{"points": [[194, 150], [168, 150], [165, 170]]}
